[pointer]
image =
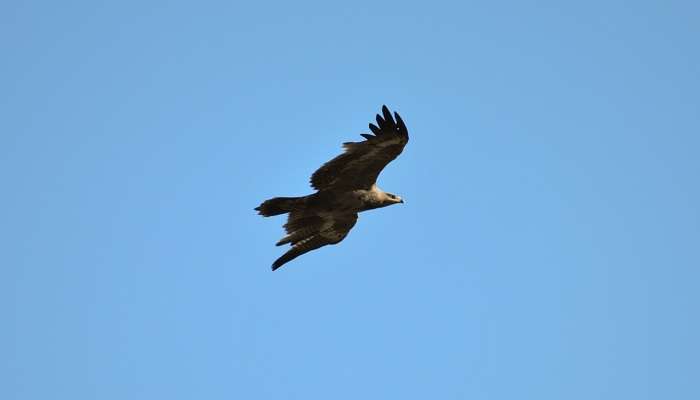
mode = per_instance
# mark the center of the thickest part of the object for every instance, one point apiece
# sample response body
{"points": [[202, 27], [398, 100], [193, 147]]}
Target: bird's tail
{"points": [[278, 205]]}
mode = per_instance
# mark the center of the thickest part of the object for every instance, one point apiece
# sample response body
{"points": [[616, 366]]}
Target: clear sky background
{"points": [[548, 248]]}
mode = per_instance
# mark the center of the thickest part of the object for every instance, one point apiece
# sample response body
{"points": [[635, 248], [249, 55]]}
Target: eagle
{"points": [[345, 186]]}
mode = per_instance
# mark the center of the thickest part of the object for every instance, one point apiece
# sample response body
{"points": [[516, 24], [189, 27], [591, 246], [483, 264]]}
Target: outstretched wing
{"points": [[359, 166], [306, 232]]}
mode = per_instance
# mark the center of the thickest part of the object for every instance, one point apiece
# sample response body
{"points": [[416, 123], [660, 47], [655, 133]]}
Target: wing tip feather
{"points": [[387, 114]]}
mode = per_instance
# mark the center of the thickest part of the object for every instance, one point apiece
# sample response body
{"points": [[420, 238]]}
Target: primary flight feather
{"points": [[346, 185]]}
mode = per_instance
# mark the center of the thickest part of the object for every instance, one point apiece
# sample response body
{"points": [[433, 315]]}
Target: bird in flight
{"points": [[346, 185]]}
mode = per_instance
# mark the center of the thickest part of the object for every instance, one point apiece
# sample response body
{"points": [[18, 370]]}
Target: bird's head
{"points": [[393, 199]]}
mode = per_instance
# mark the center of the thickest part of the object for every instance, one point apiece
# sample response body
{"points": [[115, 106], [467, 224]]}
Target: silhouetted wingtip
{"points": [[380, 121], [387, 115], [402, 126], [278, 263]]}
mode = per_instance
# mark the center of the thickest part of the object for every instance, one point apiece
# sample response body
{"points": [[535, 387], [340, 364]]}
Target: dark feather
{"points": [[402, 127], [299, 235], [313, 244], [310, 237], [380, 122], [387, 116], [360, 165], [299, 220]]}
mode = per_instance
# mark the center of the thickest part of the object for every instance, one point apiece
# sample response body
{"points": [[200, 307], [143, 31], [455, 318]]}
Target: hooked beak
{"points": [[401, 201]]}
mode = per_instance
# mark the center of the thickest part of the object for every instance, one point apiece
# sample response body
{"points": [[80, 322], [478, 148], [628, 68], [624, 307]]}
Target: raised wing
{"points": [[308, 232], [359, 166]]}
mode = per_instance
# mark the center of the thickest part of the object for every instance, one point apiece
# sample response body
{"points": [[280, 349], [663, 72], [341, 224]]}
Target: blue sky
{"points": [[548, 248]]}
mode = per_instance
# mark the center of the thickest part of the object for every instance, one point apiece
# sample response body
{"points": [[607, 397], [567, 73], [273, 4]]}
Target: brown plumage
{"points": [[346, 185]]}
